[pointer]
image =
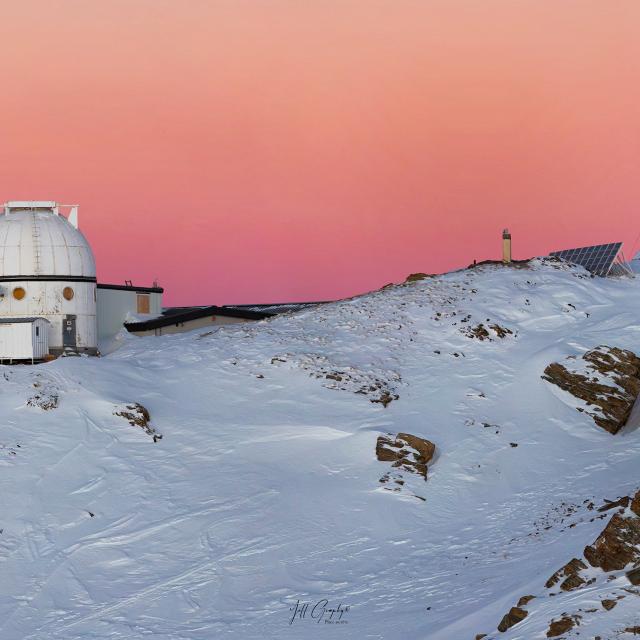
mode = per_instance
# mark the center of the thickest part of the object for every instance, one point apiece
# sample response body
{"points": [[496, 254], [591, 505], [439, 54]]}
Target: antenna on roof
{"points": [[73, 216]]}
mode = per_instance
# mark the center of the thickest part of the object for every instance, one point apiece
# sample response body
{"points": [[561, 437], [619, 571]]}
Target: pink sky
{"points": [[268, 150]]}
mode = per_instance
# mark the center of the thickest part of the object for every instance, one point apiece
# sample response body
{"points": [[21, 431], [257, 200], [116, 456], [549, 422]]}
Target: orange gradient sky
{"points": [[268, 150]]}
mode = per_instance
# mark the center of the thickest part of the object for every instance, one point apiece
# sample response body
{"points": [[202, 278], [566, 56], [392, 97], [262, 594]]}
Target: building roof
{"points": [[37, 242], [127, 287], [186, 314], [31, 319]]}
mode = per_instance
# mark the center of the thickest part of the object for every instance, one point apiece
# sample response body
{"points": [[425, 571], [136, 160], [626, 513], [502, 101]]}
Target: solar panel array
{"points": [[597, 259]]}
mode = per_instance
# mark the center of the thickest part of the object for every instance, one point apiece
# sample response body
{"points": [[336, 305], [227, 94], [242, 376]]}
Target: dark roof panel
{"points": [[193, 313], [126, 287]]}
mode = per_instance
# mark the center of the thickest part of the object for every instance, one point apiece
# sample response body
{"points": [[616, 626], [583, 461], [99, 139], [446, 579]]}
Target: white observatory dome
{"points": [[47, 270], [35, 240]]}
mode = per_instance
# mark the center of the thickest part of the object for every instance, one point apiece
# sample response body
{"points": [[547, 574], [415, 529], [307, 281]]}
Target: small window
{"points": [[37, 330], [19, 293], [143, 303], [68, 294]]}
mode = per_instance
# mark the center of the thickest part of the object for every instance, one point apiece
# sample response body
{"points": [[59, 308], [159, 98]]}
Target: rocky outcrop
{"points": [[634, 576], [138, 416], [607, 379], [608, 604], [408, 454], [415, 277], [617, 546], [569, 574], [501, 332], [406, 451], [482, 333], [558, 627], [515, 615]]}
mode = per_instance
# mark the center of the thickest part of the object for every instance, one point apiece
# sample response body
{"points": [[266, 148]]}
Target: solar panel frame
{"points": [[597, 259]]}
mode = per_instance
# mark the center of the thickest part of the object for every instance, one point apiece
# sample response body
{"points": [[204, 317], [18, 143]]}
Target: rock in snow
{"points": [[607, 379], [262, 503], [406, 451], [617, 548]]}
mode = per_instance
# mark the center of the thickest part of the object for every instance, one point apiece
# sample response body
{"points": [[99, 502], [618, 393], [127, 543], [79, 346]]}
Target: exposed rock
{"points": [[635, 630], [426, 448], [45, 401], [138, 416], [558, 627], [385, 398], [609, 604], [479, 332], [501, 332], [609, 504], [406, 451], [570, 572], [617, 545], [608, 381], [414, 277], [515, 615], [635, 504], [634, 576], [524, 600]]}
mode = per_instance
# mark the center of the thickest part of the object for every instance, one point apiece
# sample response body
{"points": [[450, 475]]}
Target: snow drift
{"points": [[260, 513]]}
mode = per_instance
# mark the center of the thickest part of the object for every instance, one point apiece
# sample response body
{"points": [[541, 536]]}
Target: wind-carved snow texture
{"points": [[377, 385], [265, 494]]}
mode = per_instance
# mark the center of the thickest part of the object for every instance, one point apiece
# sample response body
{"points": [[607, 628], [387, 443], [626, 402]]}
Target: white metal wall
{"points": [[45, 298], [190, 325], [115, 306], [24, 340]]}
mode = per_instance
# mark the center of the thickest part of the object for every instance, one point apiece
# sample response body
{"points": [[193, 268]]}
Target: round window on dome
{"points": [[19, 293], [68, 294]]}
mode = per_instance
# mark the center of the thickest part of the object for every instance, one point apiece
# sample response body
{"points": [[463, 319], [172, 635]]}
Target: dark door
{"points": [[69, 332]]}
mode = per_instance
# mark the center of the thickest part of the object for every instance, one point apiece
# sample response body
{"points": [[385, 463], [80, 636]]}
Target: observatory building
{"points": [[47, 270], [50, 302]]}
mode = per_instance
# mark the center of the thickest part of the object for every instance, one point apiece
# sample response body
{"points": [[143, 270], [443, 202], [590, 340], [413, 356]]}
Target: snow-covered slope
{"points": [[265, 490]]}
